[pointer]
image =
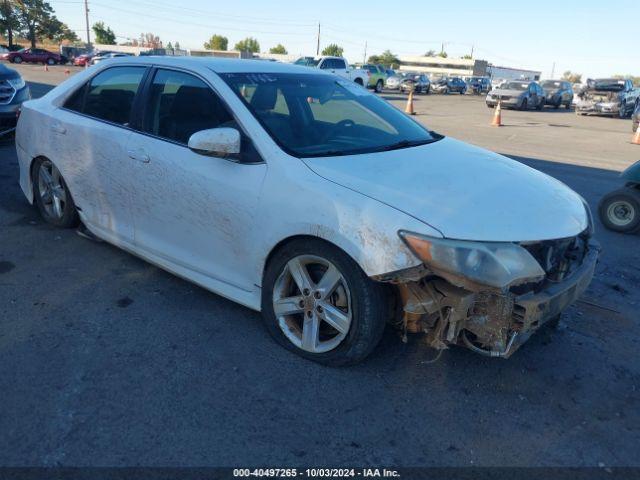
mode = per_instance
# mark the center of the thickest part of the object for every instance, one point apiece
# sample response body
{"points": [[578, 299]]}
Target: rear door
{"points": [[193, 210], [95, 123]]}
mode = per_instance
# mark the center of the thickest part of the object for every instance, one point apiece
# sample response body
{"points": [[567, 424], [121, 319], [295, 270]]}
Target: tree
{"points": [[572, 77], [333, 50], [35, 17], [430, 53], [279, 49], [103, 34], [443, 54], [217, 42], [177, 47], [249, 44], [56, 31], [387, 59], [8, 20], [467, 57], [169, 46], [150, 40]]}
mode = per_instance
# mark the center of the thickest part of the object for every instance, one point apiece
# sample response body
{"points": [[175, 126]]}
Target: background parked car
{"points": [[418, 82], [377, 76], [34, 55], [337, 65], [608, 96], [449, 85], [478, 85], [517, 94], [105, 56], [13, 91], [84, 59], [558, 93]]}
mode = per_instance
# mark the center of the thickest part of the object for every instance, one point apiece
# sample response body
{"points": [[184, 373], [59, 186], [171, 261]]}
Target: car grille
{"points": [[7, 92]]}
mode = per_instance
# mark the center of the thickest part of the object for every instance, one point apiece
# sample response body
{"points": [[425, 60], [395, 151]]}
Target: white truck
{"points": [[337, 65]]}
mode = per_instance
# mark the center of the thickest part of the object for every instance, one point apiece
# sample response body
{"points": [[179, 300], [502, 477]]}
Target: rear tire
{"points": [[379, 86], [524, 105], [620, 210], [52, 196], [51, 61], [300, 325], [17, 59], [359, 82]]}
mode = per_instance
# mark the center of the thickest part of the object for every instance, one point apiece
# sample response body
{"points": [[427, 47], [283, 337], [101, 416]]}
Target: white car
{"points": [[297, 193]]}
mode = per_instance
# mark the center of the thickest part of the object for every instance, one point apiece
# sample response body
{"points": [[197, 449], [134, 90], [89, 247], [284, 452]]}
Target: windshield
{"points": [[320, 115], [307, 62], [550, 84], [516, 86]]}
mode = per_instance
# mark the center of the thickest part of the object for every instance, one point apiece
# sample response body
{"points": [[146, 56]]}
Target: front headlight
{"points": [[16, 83], [495, 264]]}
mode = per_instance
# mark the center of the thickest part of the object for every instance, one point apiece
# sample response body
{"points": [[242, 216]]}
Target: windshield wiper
{"points": [[404, 144]]}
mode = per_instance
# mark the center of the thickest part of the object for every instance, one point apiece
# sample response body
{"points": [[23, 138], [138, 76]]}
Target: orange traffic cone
{"points": [[409, 108], [67, 71], [636, 137], [46, 67], [497, 116]]}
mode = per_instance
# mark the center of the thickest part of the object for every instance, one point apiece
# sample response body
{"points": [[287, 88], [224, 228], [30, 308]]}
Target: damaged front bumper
{"points": [[592, 108], [489, 321]]}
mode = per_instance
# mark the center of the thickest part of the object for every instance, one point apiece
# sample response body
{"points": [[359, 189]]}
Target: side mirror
{"points": [[216, 142]]}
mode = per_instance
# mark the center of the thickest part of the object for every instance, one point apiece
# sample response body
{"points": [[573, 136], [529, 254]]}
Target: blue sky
{"points": [[589, 37]]}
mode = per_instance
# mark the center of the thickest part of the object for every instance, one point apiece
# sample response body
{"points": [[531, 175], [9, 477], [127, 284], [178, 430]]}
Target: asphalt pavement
{"points": [[106, 360]]}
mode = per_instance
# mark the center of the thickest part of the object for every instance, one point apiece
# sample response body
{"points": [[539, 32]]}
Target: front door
{"points": [[194, 211]]}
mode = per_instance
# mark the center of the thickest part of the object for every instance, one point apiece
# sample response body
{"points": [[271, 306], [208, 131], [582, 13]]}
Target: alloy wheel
{"points": [[51, 190], [312, 304]]}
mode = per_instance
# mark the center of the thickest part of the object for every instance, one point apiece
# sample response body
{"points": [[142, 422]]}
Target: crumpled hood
{"points": [[465, 192]]}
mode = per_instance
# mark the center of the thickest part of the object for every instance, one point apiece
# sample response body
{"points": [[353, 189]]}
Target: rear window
{"points": [[109, 95]]}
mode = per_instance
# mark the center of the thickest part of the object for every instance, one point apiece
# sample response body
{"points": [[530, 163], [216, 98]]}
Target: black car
{"points": [[450, 85], [418, 82], [13, 91], [558, 93]]}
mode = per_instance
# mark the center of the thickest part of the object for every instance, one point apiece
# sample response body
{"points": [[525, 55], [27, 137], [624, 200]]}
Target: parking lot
{"points": [[107, 360]]}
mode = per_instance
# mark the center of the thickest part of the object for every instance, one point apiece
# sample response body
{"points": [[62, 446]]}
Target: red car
{"points": [[34, 55], [82, 60]]}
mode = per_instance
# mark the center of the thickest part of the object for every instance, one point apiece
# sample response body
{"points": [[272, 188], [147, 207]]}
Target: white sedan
{"points": [[301, 195]]}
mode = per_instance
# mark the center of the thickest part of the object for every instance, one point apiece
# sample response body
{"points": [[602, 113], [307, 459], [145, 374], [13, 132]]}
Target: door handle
{"points": [[57, 128], [141, 157]]}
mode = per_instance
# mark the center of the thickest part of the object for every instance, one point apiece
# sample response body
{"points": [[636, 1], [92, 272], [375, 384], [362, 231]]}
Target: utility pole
{"points": [[472, 51], [553, 70], [86, 18], [318, 47], [365, 52]]}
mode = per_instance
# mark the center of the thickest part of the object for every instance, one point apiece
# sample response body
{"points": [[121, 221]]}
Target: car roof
{"points": [[218, 65]]}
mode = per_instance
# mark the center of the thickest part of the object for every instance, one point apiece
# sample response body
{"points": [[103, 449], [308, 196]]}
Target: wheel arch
{"points": [[298, 238]]}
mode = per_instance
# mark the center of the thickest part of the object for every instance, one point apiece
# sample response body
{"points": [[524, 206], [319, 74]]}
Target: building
{"points": [[443, 67], [499, 74], [464, 67]]}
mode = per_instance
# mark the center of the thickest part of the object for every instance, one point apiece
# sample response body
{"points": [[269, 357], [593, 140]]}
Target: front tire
{"points": [[359, 82], [17, 59], [318, 303], [52, 196], [379, 86], [620, 210], [524, 105]]}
